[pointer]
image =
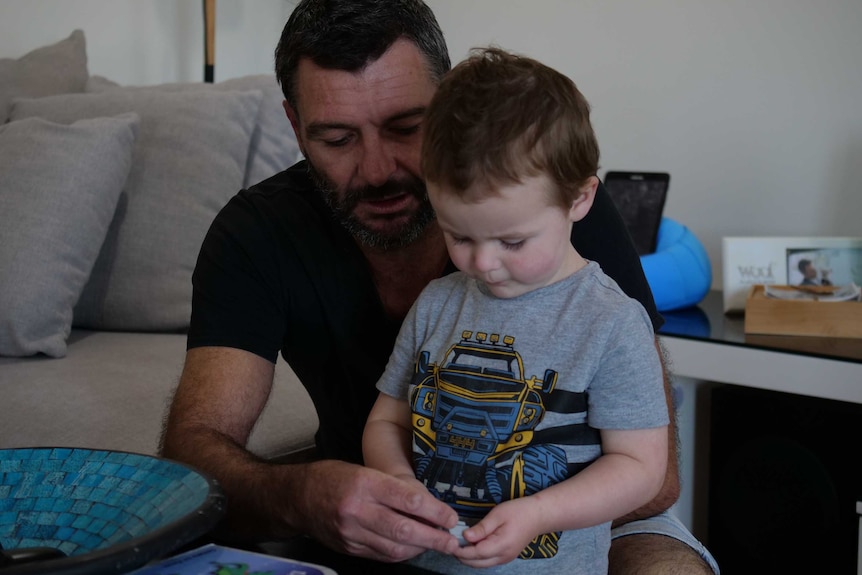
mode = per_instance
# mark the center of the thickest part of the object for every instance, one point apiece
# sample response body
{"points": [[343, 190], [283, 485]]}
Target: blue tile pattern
{"points": [[81, 500]]}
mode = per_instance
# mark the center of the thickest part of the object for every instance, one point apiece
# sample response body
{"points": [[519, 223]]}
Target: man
{"points": [[809, 274], [322, 262]]}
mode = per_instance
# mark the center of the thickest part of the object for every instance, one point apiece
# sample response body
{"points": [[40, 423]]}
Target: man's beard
{"points": [[392, 238]]}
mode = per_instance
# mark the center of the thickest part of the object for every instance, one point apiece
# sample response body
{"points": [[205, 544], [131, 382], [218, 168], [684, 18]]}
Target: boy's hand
{"points": [[501, 535]]}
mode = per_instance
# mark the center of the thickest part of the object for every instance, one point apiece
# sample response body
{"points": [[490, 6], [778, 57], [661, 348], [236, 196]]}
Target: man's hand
{"points": [[347, 507], [364, 512]]}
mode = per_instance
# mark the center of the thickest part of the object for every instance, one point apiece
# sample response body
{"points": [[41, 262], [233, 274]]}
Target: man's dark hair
{"points": [[803, 264], [350, 34]]}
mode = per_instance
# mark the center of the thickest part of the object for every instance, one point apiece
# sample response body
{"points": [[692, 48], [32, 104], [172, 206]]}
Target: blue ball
{"points": [[679, 273]]}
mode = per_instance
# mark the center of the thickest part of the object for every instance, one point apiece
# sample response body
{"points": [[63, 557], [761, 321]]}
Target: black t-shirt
{"points": [[277, 271]]}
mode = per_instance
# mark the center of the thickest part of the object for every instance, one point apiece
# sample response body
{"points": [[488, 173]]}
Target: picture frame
{"points": [[750, 261]]}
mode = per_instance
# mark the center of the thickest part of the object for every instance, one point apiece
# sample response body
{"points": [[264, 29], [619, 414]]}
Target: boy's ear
{"points": [[294, 122], [582, 204]]}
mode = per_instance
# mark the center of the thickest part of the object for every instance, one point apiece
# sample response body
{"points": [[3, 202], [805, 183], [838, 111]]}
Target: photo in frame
{"points": [[750, 261], [824, 266]]}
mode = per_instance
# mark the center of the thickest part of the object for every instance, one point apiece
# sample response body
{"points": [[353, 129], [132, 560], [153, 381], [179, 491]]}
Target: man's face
{"points": [[361, 134]]}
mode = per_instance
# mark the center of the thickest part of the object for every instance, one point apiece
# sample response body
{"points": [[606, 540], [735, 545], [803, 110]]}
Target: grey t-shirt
{"points": [[523, 383]]}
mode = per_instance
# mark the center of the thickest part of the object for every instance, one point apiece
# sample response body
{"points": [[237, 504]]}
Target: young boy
{"points": [[526, 389]]}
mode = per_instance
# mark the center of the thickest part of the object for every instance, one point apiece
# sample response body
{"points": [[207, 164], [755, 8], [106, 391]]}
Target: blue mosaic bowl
{"points": [[107, 512]]}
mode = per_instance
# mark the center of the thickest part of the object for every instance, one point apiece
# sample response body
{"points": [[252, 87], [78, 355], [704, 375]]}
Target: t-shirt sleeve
{"points": [[396, 378], [627, 392], [602, 237], [235, 285]]}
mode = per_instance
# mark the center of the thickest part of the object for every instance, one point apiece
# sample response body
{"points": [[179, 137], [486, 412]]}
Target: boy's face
{"points": [[515, 239]]}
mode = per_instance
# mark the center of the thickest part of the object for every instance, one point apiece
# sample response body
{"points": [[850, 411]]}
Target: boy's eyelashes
{"points": [[507, 244], [512, 244]]}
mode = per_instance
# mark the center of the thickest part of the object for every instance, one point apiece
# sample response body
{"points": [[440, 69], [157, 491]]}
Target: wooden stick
{"points": [[209, 40]]}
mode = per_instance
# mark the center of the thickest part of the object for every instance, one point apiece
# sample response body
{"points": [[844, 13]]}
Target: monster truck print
{"points": [[474, 415]]}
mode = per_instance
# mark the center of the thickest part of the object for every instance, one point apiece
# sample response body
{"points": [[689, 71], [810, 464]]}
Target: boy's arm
{"points": [[628, 474], [670, 489], [387, 437]]}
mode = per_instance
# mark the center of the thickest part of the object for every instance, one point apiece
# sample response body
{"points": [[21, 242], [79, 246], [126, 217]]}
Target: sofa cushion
{"points": [[99, 84], [60, 68], [112, 391], [273, 142], [189, 159], [59, 186]]}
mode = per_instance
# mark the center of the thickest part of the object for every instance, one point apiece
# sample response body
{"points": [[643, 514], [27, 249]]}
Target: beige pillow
{"points": [[273, 142], [189, 160], [60, 68], [59, 187]]}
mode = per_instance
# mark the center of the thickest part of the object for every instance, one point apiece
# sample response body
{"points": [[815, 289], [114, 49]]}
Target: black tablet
{"points": [[639, 197]]}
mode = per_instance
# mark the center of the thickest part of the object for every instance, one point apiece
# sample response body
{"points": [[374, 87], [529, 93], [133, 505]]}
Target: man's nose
{"points": [[377, 163]]}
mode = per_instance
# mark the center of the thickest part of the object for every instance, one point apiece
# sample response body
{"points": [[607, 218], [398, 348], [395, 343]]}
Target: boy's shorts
{"points": [[669, 526]]}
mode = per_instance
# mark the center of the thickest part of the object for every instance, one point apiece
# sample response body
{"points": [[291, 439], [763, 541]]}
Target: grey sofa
{"points": [[105, 195]]}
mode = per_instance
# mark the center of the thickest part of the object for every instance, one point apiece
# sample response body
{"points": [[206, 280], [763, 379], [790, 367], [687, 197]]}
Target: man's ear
{"points": [[582, 204], [294, 122]]}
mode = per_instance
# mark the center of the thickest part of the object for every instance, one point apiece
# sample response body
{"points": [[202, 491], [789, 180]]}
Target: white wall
{"points": [[755, 108], [150, 41]]}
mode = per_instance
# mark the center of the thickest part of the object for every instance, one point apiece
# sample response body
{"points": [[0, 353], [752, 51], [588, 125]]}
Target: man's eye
{"points": [[406, 130], [335, 138], [337, 143]]}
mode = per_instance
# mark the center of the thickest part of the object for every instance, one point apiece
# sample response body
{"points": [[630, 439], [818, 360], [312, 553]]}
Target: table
{"points": [[706, 344], [302, 548]]}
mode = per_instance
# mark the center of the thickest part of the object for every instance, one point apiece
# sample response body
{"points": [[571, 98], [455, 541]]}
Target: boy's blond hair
{"points": [[498, 117]]}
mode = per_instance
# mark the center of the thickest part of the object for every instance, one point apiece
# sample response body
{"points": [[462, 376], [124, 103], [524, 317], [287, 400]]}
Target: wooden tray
{"points": [[767, 315]]}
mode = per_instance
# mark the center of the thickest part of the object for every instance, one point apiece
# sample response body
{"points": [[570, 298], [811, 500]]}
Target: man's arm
{"points": [[350, 508], [670, 489], [656, 553], [219, 398]]}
